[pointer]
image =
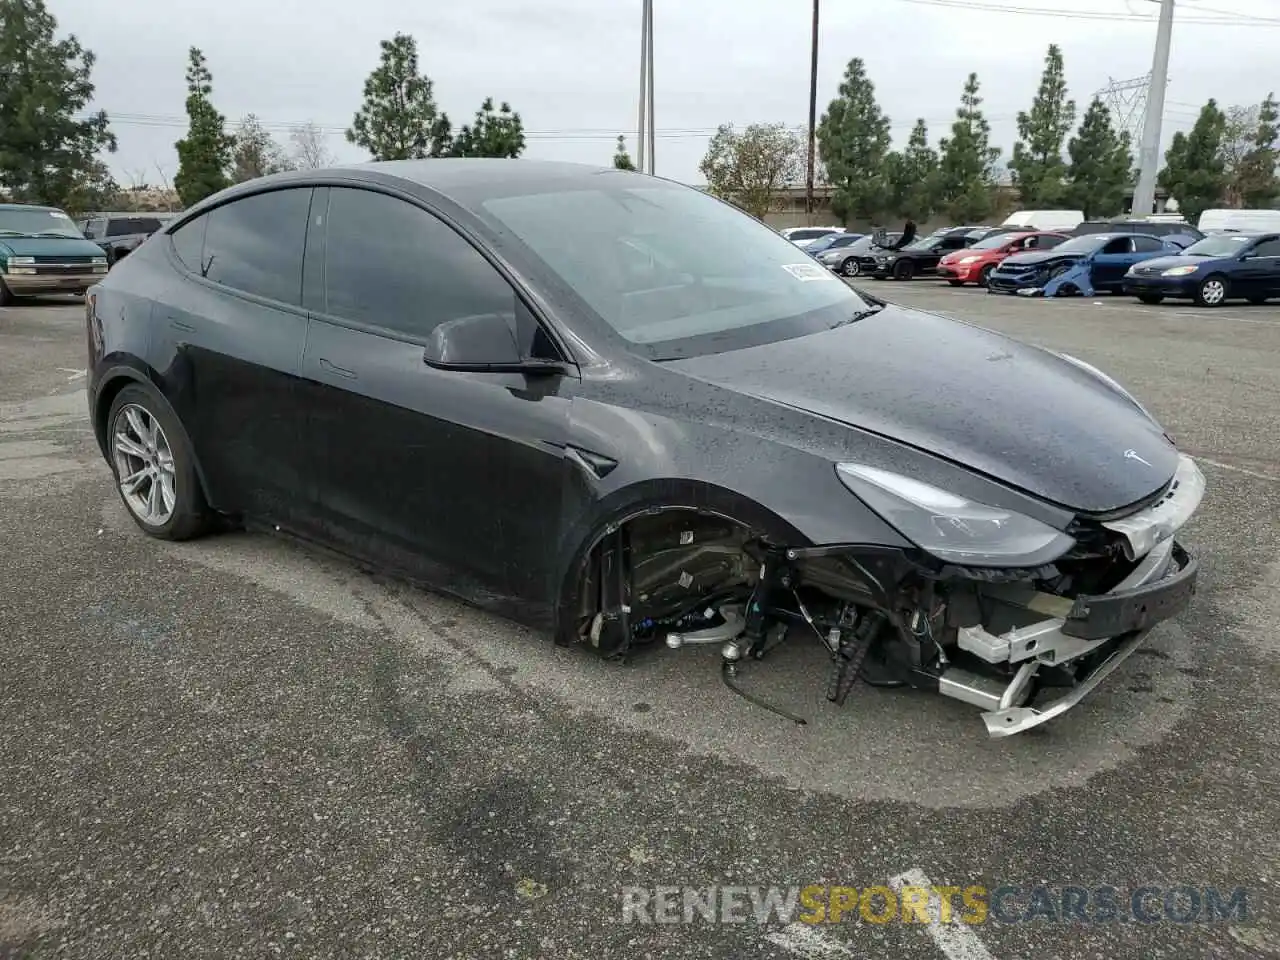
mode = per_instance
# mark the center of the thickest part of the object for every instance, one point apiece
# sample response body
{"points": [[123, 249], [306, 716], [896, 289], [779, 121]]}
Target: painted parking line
{"points": [[808, 942], [956, 940]]}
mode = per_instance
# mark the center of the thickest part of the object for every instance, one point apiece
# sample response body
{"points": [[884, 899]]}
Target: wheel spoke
{"points": [[131, 483], [126, 444], [135, 423], [153, 499], [168, 492]]}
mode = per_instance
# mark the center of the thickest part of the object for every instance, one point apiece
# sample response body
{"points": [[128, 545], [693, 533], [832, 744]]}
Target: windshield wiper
{"points": [[859, 315], [12, 233]]}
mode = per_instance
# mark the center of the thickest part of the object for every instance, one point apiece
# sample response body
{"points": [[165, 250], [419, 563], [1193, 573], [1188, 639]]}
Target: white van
{"points": [[1045, 219], [1232, 221]]}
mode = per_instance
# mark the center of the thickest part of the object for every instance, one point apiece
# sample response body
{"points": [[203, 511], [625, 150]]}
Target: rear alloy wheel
{"points": [[154, 469], [904, 270], [1212, 292], [849, 267], [1151, 298]]}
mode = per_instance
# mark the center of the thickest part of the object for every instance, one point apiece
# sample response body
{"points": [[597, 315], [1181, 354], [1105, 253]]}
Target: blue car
{"points": [[1212, 271], [1081, 265]]}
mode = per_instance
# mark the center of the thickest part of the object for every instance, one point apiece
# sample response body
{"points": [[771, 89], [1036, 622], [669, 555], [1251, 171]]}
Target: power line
{"points": [[566, 135], [1226, 19]]}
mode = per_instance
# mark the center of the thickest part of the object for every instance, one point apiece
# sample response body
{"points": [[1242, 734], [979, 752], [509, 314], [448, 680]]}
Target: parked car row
{"points": [[1151, 259]]}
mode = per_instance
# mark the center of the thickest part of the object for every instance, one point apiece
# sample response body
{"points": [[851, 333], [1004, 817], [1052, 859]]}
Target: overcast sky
{"points": [[571, 66]]}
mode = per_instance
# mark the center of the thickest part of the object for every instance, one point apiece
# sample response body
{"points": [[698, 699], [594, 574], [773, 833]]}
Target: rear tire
{"points": [[160, 486], [6, 296], [1212, 291], [1151, 298], [849, 267]]}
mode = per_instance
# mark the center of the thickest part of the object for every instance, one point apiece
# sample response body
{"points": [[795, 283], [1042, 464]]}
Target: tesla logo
{"points": [[1133, 455]]}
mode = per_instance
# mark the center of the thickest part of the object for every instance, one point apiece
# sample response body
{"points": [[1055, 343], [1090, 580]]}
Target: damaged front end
{"points": [[1024, 642]]}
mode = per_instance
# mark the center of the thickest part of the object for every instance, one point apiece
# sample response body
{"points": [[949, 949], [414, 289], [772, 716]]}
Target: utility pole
{"points": [[813, 118], [644, 91], [648, 5], [1144, 193]]}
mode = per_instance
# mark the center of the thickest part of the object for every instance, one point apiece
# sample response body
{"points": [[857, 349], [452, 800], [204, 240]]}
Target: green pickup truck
{"points": [[42, 251]]}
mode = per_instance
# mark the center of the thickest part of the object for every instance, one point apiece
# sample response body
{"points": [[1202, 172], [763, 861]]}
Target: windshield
{"points": [[673, 269], [36, 222], [1217, 246], [1082, 244]]}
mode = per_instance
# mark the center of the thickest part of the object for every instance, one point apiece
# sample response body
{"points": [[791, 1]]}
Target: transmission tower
{"points": [[1127, 101]]}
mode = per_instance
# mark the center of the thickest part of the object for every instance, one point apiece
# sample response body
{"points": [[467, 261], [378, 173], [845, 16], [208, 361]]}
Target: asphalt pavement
{"points": [[239, 747]]}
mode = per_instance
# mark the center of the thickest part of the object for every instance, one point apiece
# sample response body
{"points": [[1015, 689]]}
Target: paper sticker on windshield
{"points": [[804, 272], [58, 215]]}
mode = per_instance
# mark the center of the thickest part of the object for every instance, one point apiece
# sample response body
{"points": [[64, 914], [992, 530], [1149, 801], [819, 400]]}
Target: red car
{"points": [[974, 264]]}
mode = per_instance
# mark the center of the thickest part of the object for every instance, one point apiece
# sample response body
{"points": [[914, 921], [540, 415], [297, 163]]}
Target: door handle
{"points": [[181, 325], [333, 368]]}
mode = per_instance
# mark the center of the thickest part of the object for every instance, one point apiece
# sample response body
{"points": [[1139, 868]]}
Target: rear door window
{"points": [[255, 244], [1119, 245], [1267, 248], [188, 243]]}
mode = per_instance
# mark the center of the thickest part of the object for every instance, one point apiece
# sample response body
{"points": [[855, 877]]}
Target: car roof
{"points": [[25, 206], [153, 214], [466, 182], [1118, 235]]}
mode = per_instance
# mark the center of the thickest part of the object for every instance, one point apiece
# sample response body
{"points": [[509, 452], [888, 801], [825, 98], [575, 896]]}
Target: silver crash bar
{"points": [[1041, 643]]}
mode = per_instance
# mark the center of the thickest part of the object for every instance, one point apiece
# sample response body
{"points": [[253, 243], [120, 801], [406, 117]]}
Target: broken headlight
{"points": [[954, 528]]}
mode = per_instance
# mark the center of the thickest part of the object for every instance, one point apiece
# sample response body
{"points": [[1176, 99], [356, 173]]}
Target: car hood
{"points": [[1040, 256], [49, 247], [1008, 410], [1165, 263], [955, 256]]}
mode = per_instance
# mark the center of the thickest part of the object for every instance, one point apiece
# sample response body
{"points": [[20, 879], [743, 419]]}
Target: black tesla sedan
{"points": [[613, 407]]}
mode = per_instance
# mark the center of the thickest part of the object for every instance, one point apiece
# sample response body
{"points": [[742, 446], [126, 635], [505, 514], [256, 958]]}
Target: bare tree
{"points": [[310, 147], [167, 185], [1237, 141], [753, 168]]}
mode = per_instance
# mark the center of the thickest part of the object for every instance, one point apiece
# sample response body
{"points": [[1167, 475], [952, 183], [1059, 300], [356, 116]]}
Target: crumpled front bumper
{"points": [[1082, 640], [1092, 640]]}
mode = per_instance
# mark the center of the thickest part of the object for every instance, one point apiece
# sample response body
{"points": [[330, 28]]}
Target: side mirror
{"points": [[482, 343]]}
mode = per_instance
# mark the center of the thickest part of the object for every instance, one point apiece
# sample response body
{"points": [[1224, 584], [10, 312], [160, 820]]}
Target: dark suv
{"points": [[1180, 232], [119, 234]]}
